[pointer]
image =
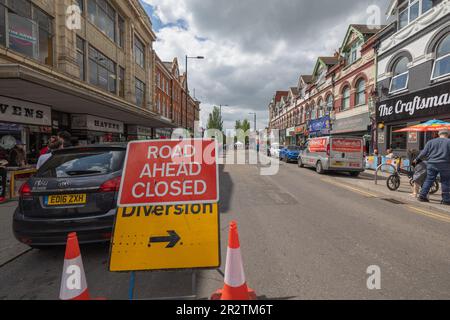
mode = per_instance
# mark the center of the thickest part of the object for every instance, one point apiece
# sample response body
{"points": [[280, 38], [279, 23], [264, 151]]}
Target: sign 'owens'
{"points": [[164, 172]]}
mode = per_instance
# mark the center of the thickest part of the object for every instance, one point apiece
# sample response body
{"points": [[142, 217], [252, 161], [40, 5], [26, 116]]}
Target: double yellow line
{"points": [[338, 184], [434, 215]]}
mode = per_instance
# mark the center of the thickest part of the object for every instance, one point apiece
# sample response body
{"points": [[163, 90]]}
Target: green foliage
{"points": [[215, 120]]}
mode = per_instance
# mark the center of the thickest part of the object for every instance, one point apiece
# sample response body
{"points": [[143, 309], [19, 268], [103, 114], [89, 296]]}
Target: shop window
{"points": [[400, 75], [441, 66], [361, 92], [346, 98], [103, 15], [140, 93], [139, 52], [81, 53], [399, 140], [102, 71]]}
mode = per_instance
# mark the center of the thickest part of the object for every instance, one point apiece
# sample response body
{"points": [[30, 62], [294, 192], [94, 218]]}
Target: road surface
{"points": [[303, 236]]}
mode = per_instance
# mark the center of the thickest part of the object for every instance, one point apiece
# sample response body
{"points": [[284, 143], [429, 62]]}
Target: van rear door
{"points": [[347, 154]]}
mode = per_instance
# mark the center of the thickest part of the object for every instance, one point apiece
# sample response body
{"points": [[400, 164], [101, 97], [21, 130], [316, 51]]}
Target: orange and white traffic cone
{"points": [[73, 282], [235, 287]]}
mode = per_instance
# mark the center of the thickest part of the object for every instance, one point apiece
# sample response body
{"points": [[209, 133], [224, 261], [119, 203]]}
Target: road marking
{"points": [[434, 215], [364, 193]]}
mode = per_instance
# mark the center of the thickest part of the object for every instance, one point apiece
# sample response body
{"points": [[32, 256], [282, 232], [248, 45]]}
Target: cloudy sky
{"points": [[252, 47]]}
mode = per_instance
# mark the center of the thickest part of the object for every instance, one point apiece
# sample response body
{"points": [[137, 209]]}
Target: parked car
{"points": [[74, 191], [290, 153], [334, 154], [275, 150]]}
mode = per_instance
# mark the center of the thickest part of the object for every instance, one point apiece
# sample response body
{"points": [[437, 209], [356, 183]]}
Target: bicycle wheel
{"points": [[435, 188], [393, 183]]}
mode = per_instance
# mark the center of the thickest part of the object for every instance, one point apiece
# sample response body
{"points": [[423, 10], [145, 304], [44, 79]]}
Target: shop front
{"points": [[290, 136], [408, 110], [139, 133], [319, 127], [355, 126], [300, 135], [163, 133], [90, 129], [26, 123]]}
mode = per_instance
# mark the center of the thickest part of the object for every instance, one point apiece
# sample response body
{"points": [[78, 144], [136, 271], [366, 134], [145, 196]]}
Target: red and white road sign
{"points": [[164, 172]]}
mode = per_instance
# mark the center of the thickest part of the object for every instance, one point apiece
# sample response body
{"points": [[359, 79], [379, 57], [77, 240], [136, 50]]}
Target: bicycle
{"points": [[394, 180]]}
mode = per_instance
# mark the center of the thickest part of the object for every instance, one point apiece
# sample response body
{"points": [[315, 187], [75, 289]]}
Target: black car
{"points": [[74, 191]]}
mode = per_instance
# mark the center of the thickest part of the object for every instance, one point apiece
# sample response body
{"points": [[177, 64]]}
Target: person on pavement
{"points": [[66, 137], [437, 152], [55, 145]]}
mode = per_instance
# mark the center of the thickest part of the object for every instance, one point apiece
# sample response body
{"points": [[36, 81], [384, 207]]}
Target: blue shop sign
{"points": [[320, 126]]}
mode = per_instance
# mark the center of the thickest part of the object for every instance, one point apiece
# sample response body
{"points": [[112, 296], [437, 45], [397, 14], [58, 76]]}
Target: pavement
{"points": [[303, 236]]}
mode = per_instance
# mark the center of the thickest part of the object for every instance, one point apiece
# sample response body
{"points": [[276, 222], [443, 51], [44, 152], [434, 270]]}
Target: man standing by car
{"points": [[437, 152]]}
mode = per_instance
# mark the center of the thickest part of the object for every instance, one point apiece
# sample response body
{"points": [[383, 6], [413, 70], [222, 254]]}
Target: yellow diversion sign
{"points": [[166, 237]]}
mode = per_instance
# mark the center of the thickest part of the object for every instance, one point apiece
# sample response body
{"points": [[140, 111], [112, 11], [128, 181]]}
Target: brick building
{"points": [[336, 97]]}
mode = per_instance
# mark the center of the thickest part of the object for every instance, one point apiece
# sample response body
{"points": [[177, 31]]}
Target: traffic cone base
{"points": [[73, 281], [235, 287]]}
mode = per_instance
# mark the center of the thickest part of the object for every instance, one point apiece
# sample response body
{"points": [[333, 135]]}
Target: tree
{"points": [[215, 120], [245, 127]]}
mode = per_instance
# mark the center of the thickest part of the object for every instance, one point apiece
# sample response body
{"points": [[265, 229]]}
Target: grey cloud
{"points": [[307, 28]]}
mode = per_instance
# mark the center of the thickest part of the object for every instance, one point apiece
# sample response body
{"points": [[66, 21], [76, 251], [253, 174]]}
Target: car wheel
{"points": [[300, 163], [319, 168]]}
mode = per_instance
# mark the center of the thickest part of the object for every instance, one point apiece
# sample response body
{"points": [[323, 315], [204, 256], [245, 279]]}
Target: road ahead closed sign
{"points": [[168, 216], [163, 172]]}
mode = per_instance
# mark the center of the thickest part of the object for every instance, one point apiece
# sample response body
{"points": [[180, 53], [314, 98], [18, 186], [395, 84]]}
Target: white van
{"points": [[334, 154]]}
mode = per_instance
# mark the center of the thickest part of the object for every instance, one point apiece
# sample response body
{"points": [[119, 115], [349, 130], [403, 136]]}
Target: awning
{"points": [[65, 94]]}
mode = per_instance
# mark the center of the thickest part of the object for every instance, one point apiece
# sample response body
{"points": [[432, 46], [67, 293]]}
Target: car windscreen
{"points": [[93, 162]]}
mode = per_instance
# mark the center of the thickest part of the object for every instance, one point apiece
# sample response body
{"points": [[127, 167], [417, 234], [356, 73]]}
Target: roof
{"points": [[367, 29], [280, 94], [307, 78], [329, 61], [294, 90], [168, 65]]}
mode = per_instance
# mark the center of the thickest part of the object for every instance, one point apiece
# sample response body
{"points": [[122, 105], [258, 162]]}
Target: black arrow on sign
{"points": [[172, 239]]}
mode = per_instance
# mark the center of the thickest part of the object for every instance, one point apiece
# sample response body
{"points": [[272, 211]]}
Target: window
{"points": [[346, 98], [426, 5], [80, 4], [354, 53], [140, 93], [103, 15], [121, 82], [411, 10], [321, 108], [102, 71], [399, 140], [313, 112], [81, 56], [330, 103], [400, 75], [361, 92], [82, 164], [442, 64], [121, 35], [139, 52]]}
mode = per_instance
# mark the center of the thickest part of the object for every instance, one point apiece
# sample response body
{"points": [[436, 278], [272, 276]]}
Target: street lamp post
{"points": [[254, 114], [186, 85]]}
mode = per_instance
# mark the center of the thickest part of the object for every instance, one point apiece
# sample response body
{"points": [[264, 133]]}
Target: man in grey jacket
{"points": [[437, 152]]}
